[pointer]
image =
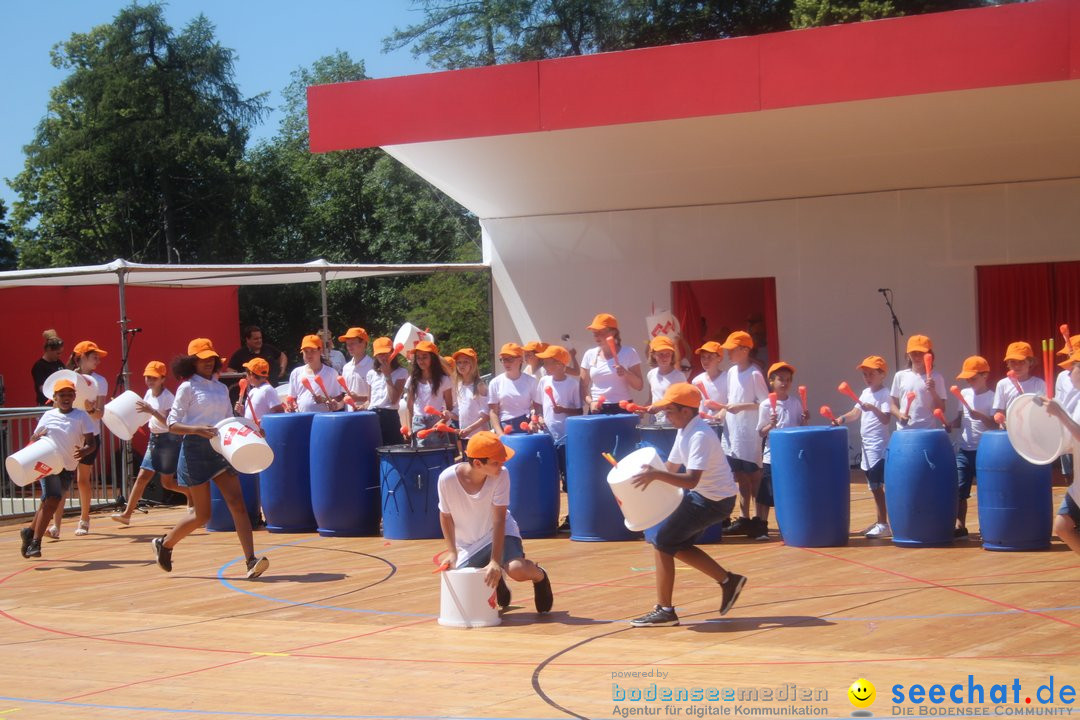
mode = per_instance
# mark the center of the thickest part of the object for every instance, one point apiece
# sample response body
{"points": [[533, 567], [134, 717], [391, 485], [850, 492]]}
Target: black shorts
{"points": [[89, 458]]}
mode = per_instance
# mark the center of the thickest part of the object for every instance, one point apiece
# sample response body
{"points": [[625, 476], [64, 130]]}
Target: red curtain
{"points": [[1016, 302], [1065, 298], [686, 310]]}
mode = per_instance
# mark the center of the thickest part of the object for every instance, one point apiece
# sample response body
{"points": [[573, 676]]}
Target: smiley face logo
{"points": [[862, 693]]}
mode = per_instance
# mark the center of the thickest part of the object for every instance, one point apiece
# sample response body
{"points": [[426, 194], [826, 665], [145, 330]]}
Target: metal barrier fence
{"points": [[109, 481]]}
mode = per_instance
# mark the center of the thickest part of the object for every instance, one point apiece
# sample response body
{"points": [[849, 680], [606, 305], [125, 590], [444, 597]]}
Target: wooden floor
{"points": [[346, 628]]}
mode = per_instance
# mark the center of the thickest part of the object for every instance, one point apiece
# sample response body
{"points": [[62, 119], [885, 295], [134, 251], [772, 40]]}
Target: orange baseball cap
{"points": [[511, 349], [1018, 351], [258, 366], [681, 394], [88, 346], [873, 362], [555, 352], [154, 368], [534, 346], [426, 346], [777, 366], [1074, 343], [466, 352], [973, 366], [712, 347], [64, 384], [311, 342], [602, 322], [661, 342], [202, 348], [356, 332], [1073, 360], [919, 343], [739, 338], [382, 345], [486, 445]]}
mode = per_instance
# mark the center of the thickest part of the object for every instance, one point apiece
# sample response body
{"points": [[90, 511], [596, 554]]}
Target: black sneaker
{"points": [[33, 550], [739, 526], [564, 526], [256, 567], [542, 594], [731, 590], [502, 593], [27, 537], [659, 617], [760, 530], [960, 532], [162, 554]]}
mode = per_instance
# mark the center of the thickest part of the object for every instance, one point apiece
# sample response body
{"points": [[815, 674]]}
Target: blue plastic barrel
{"points": [[534, 484], [220, 517], [1016, 503], [409, 483], [286, 484], [344, 473], [661, 437], [594, 514], [920, 487], [811, 485]]}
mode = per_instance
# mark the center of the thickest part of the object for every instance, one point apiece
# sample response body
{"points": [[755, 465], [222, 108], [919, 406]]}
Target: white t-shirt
{"points": [[67, 431], [1065, 392], [514, 397], [380, 389], [337, 359], [741, 439], [715, 388], [162, 404], [200, 401], [471, 406], [305, 399], [263, 398], [922, 407], [788, 413], [537, 373], [604, 378], [970, 429], [472, 513], [567, 394], [697, 447], [875, 434], [1074, 488], [355, 375], [658, 385], [424, 395], [1005, 392]]}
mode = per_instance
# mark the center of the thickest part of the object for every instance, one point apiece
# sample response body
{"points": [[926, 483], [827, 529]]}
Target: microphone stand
{"points": [[887, 294]]}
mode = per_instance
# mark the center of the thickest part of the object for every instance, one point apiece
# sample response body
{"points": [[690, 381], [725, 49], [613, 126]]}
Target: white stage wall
{"points": [[829, 256]]}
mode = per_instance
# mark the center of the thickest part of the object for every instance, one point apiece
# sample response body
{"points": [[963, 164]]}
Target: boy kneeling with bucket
{"points": [[709, 497], [480, 532]]}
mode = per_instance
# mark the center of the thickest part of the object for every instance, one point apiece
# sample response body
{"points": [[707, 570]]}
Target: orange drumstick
{"points": [[772, 401], [601, 399], [430, 410], [319, 382], [404, 431], [524, 425], [307, 386], [614, 352], [1015, 381], [846, 389], [609, 458], [1068, 338], [802, 397], [444, 428], [397, 348], [928, 364], [940, 415], [254, 417], [910, 397], [827, 413], [243, 388], [551, 395], [348, 398], [507, 429], [424, 433], [711, 404], [955, 390], [623, 403], [999, 418], [634, 407]]}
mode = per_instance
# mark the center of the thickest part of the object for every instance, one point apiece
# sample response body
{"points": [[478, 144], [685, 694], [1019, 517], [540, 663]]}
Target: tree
{"points": [[8, 256], [815, 13], [139, 155]]}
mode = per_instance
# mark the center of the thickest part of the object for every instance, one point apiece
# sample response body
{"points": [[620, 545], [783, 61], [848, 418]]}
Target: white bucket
{"points": [[238, 439], [122, 417], [408, 336], [33, 462], [466, 600], [642, 508], [86, 389], [1035, 434]]}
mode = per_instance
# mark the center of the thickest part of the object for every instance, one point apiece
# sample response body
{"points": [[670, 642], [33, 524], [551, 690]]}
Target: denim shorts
{"points": [[695, 513], [1070, 508], [54, 486], [741, 466], [161, 454], [965, 472], [199, 462], [512, 550], [875, 476]]}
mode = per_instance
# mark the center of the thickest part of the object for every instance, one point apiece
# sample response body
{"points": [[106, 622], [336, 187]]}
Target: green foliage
{"points": [[815, 13], [139, 155], [8, 259]]}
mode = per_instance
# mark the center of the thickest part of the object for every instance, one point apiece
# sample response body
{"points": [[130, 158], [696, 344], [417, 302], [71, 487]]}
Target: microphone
{"points": [[134, 330]]}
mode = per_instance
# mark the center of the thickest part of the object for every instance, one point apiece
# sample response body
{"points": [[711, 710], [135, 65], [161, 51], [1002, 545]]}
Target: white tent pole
{"points": [[124, 374], [325, 314]]}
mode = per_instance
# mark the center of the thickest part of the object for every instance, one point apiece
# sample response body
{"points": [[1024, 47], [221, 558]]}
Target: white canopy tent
{"points": [[123, 273]]}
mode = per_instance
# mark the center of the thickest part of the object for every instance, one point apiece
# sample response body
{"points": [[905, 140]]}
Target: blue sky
{"points": [[271, 38]]}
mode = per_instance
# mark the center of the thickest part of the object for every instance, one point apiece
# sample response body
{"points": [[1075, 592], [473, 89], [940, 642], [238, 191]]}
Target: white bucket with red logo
{"points": [[240, 441], [466, 600], [86, 389], [408, 336], [123, 417], [35, 461], [642, 508]]}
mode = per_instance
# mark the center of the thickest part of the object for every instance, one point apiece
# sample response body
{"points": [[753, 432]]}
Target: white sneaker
{"points": [[120, 518], [879, 530], [83, 528]]}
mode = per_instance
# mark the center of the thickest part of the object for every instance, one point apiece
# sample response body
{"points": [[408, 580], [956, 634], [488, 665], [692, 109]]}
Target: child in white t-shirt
{"points": [[788, 412], [712, 382], [875, 427], [708, 497], [480, 532], [429, 394], [560, 397], [746, 390], [665, 372], [472, 395], [1067, 522], [1020, 359], [976, 417], [315, 384], [927, 393], [512, 398], [609, 378], [1068, 396], [355, 371]]}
